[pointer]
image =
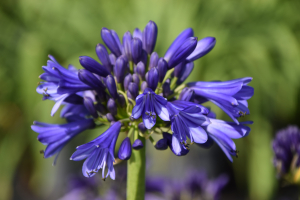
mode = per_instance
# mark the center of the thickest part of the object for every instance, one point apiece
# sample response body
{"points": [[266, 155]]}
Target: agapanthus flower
{"points": [[132, 85], [148, 105], [56, 136], [99, 153], [286, 147]]}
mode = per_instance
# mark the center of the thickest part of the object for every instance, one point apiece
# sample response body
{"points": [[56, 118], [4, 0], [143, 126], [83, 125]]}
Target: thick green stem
{"points": [[136, 174]]}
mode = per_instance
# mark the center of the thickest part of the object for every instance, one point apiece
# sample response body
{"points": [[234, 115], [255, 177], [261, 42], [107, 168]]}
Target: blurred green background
{"points": [[255, 38]]}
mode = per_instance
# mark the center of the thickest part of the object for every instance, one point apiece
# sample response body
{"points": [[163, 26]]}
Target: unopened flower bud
{"points": [[112, 106], [112, 59], [104, 57], [125, 149], [119, 69], [137, 33], [137, 144], [142, 127], [136, 51], [203, 47], [90, 79], [133, 89], [144, 85], [162, 67], [140, 69], [111, 86], [127, 44], [187, 69], [149, 37], [112, 41], [127, 80], [182, 52], [178, 42], [166, 88], [110, 117], [161, 144], [136, 79], [93, 66], [152, 78], [89, 104], [153, 60]]}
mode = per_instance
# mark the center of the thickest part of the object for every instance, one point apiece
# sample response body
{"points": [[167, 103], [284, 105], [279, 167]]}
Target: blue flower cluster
{"points": [[286, 147], [129, 88]]}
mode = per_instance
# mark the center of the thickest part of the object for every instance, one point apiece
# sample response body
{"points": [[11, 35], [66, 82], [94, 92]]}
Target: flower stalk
{"points": [[136, 168]]}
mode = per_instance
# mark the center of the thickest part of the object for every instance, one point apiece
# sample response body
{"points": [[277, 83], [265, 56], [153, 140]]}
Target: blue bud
{"points": [[136, 79], [187, 94], [178, 42], [166, 88], [137, 144], [112, 59], [127, 45], [112, 41], [161, 144], [178, 69], [187, 69], [111, 86], [90, 79], [110, 117], [149, 37], [203, 47], [127, 80], [112, 106], [152, 78], [137, 50], [153, 60], [125, 149], [182, 52], [137, 33], [142, 127], [129, 95], [89, 104], [144, 85], [162, 68], [133, 88], [93, 66], [140, 70], [119, 69], [104, 57]]}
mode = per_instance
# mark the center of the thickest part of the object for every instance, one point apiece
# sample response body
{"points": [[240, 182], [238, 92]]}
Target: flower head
{"points": [[132, 85], [286, 147]]}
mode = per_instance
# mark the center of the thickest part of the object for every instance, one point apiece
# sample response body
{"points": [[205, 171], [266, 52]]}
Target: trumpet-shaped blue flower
{"points": [[223, 132], [148, 105], [99, 153], [230, 96], [188, 123], [56, 136], [176, 147]]}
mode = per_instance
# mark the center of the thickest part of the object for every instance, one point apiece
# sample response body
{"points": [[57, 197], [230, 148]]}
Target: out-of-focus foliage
{"points": [[254, 38]]}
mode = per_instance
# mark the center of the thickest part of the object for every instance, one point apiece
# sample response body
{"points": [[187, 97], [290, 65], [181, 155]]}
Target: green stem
{"points": [[136, 173]]}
